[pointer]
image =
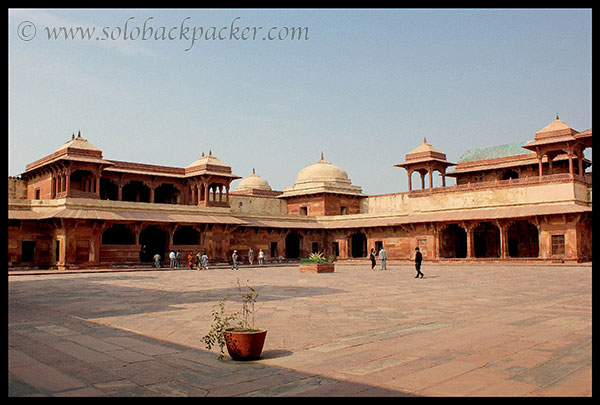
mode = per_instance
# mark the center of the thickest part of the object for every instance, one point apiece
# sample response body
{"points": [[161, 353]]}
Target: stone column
{"points": [[580, 161], [98, 186], [430, 178], [151, 186], [503, 239], [67, 183], [571, 172], [469, 228]]}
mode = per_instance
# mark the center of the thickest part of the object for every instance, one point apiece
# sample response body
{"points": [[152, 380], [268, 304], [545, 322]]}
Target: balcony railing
{"points": [[486, 185]]}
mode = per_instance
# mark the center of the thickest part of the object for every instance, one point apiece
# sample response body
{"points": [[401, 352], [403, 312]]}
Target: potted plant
{"points": [[243, 340], [317, 263]]}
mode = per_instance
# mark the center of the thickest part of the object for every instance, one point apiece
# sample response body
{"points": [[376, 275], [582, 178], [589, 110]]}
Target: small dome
{"points": [[322, 171], [77, 142], [424, 152], [424, 148], [555, 128], [253, 182], [209, 159]]}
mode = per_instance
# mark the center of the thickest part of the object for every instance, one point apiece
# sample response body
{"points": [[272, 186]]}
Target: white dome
{"points": [[322, 177], [253, 182], [322, 172]]}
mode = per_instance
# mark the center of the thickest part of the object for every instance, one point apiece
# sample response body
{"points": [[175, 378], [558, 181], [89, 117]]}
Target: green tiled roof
{"points": [[494, 152]]}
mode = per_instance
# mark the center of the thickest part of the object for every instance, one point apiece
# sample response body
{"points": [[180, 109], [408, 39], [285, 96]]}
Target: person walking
{"points": [[418, 260], [372, 257], [198, 263], [172, 260], [157, 261], [383, 258], [261, 257], [178, 258], [234, 258], [251, 256], [190, 258], [204, 261]]}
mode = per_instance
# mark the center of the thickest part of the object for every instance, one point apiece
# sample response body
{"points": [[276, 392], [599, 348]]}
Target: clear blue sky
{"points": [[365, 88]]}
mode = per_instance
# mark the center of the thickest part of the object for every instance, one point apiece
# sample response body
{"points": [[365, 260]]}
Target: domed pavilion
{"points": [[323, 189]]}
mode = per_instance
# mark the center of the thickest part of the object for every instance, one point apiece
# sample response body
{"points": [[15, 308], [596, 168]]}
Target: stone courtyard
{"points": [[463, 330]]}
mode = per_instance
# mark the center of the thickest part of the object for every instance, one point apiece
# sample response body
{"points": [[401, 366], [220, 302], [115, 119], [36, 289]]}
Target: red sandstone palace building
{"points": [[526, 201]]}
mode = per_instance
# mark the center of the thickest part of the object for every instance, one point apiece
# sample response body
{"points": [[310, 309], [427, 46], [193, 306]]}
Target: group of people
{"points": [[198, 261], [234, 258], [382, 255]]}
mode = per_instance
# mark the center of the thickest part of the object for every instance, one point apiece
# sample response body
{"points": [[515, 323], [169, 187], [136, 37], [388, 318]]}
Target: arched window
{"points": [[510, 174]]}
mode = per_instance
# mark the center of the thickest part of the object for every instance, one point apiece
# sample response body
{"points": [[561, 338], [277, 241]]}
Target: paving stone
{"points": [[464, 330]]}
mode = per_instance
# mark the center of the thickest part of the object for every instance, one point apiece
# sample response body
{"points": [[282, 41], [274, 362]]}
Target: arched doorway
{"points": [[136, 191], [523, 239], [292, 245], [84, 181], [108, 190], [358, 244], [453, 242], [486, 240], [118, 234], [186, 235], [167, 194], [153, 240]]}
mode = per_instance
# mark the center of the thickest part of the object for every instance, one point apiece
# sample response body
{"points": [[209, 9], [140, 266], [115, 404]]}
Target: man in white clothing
{"points": [[172, 259], [261, 257], [234, 258], [383, 258]]}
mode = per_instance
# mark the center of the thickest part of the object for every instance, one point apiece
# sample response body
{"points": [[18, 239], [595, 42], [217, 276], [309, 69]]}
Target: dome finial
{"points": [[322, 156], [556, 115], [253, 171], [424, 140]]}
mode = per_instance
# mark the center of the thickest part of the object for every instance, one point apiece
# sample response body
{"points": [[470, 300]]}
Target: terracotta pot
{"points": [[317, 268], [245, 345]]}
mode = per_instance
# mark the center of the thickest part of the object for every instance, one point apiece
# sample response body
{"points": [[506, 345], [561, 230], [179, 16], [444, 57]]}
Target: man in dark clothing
{"points": [[418, 260]]}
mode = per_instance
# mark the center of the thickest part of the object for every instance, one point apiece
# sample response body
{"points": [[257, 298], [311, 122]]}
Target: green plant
{"points": [[216, 333], [223, 322], [248, 301], [318, 257]]}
